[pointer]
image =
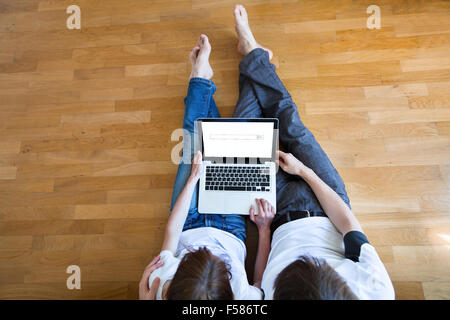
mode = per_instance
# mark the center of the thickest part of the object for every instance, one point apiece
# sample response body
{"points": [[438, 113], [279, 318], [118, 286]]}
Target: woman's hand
{"points": [[197, 167], [144, 292], [290, 164], [265, 216], [177, 218]]}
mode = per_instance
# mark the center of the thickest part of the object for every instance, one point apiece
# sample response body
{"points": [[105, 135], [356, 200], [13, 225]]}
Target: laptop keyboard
{"points": [[236, 178]]}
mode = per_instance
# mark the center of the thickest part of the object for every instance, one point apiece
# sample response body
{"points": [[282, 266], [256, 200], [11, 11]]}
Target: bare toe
{"points": [[200, 59], [205, 46], [194, 53], [242, 12]]}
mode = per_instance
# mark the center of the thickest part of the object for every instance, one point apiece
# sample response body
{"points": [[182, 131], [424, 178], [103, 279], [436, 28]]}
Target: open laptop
{"points": [[239, 163]]}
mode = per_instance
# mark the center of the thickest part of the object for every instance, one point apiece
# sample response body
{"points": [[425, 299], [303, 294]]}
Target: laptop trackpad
{"points": [[237, 203], [253, 198]]}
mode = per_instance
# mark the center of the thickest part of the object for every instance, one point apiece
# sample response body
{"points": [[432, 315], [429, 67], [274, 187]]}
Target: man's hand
{"points": [[144, 292], [265, 216], [290, 164], [197, 167]]}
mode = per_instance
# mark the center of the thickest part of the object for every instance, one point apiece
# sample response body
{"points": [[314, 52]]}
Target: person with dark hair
{"points": [[203, 255], [318, 222], [308, 278], [318, 248]]}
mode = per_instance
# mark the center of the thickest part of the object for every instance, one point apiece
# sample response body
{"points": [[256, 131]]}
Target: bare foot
{"points": [[199, 57], [247, 41]]}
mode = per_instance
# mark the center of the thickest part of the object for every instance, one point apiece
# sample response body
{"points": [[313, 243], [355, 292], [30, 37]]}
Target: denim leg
{"points": [[200, 103], [232, 223], [276, 102], [247, 105], [197, 105], [213, 112]]}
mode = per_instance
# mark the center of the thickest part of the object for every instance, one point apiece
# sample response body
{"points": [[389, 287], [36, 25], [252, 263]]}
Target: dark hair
{"points": [[201, 276], [308, 278]]}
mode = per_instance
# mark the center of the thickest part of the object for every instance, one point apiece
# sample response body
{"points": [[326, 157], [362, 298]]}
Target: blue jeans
{"points": [[199, 103]]}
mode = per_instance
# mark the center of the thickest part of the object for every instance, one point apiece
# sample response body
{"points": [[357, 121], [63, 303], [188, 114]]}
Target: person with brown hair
{"points": [[203, 255], [201, 276]]}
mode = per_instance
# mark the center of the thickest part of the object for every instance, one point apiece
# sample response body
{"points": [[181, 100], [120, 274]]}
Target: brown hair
{"points": [[201, 276], [307, 278]]}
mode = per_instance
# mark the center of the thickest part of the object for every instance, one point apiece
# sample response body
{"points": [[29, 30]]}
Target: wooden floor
{"points": [[86, 118]]}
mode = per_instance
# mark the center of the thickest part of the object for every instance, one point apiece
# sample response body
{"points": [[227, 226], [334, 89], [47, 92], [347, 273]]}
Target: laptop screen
{"points": [[238, 139]]}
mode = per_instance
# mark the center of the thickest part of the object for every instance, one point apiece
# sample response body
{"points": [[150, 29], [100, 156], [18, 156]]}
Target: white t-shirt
{"points": [[317, 237], [221, 244]]}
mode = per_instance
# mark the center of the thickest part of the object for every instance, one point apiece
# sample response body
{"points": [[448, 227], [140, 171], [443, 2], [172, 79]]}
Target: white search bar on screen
{"points": [[232, 136]]}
